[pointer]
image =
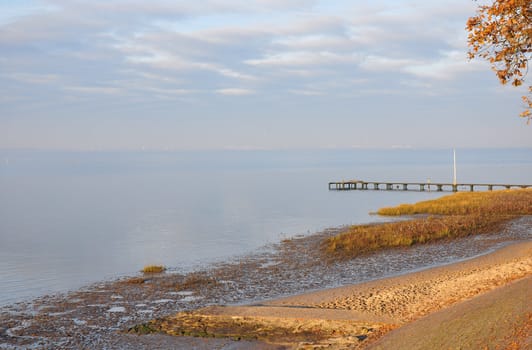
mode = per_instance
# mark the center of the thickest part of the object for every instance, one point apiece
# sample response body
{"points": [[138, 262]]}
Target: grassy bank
{"points": [[457, 215]]}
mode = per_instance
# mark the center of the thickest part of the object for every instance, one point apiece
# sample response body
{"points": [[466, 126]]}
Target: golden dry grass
{"points": [[457, 215], [153, 269], [505, 202]]}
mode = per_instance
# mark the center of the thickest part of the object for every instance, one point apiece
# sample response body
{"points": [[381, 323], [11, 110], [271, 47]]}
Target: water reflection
{"points": [[67, 219]]}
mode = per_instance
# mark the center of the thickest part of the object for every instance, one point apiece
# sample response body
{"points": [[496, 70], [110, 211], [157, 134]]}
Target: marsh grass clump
{"points": [[458, 215], [153, 269]]}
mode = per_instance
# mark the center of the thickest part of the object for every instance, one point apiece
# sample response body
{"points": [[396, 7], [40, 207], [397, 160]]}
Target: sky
{"points": [[248, 74]]}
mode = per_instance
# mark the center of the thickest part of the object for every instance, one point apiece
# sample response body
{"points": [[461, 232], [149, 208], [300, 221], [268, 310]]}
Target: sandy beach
{"points": [[479, 303]]}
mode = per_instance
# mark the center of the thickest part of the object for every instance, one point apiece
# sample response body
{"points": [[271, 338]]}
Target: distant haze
{"points": [[242, 74]]}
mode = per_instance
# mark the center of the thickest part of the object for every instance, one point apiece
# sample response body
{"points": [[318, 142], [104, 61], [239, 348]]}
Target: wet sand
{"points": [[444, 307]]}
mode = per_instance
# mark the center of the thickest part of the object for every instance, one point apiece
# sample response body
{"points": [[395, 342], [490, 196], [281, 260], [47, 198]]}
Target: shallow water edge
{"points": [[94, 316]]}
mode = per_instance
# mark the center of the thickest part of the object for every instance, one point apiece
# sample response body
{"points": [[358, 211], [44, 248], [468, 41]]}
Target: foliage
{"points": [[458, 215], [502, 34]]}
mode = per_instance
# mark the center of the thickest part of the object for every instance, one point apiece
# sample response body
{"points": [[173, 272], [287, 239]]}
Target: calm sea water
{"points": [[68, 219]]}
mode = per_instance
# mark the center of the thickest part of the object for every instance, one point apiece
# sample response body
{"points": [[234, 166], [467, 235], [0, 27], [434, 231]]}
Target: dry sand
{"points": [[499, 319], [478, 303]]}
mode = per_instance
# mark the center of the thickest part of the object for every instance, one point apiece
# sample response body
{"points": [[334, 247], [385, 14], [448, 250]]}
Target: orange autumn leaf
{"points": [[502, 34]]}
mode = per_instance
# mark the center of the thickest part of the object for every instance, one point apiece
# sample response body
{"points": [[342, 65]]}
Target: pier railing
{"points": [[416, 186]]}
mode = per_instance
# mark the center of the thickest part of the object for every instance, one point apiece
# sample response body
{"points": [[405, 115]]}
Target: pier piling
{"points": [[418, 186]]}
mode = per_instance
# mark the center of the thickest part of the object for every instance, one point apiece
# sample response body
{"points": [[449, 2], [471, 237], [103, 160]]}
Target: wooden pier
{"points": [[416, 186]]}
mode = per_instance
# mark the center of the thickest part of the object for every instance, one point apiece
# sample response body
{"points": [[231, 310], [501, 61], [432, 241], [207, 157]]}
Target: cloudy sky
{"points": [[247, 74]]}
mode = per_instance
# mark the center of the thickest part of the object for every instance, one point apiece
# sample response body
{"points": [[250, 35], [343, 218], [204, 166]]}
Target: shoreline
{"points": [[359, 315], [96, 316]]}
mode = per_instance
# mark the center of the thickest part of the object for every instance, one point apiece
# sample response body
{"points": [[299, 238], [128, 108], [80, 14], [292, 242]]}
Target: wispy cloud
{"points": [[134, 34], [447, 66], [33, 78], [382, 63], [317, 57], [103, 90], [306, 92], [235, 92], [302, 58]]}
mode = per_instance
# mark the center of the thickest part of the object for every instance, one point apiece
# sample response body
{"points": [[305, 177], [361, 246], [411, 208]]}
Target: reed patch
{"points": [[457, 215]]}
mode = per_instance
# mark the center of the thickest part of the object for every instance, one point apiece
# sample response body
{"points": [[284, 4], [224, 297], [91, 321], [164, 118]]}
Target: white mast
{"points": [[454, 167]]}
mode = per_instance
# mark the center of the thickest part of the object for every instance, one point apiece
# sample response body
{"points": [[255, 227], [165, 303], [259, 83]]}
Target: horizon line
{"points": [[253, 149]]}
